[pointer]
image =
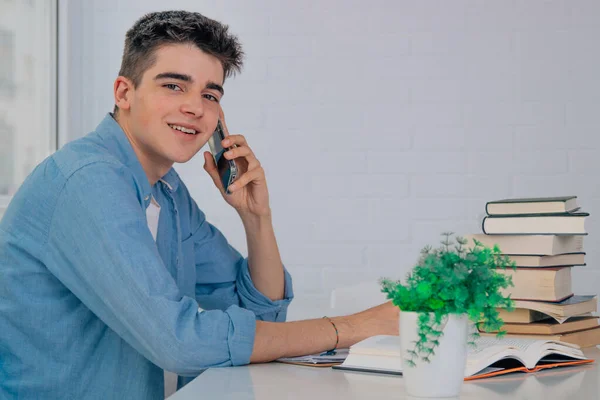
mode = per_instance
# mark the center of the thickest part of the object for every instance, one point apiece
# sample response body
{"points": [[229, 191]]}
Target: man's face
{"points": [[181, 91]]}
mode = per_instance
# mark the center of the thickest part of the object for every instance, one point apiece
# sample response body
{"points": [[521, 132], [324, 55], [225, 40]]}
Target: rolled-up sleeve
{"points": [[223, 278], [240, 336], [252, 299], [100, 248]]}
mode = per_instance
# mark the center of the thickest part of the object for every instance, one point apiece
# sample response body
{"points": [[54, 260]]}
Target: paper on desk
{"points": [[339, 356]]}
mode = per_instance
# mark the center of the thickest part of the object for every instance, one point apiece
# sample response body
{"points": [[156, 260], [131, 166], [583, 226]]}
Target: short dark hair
{"points": [[157, 29]]}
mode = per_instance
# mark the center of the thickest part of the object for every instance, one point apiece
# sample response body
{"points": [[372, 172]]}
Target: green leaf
{"points": [[436, 304], [455, 278]]}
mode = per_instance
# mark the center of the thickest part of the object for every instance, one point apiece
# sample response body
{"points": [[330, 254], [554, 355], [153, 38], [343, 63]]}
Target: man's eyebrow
{"points": [[188, 78], [215, 86], [174, 75]]}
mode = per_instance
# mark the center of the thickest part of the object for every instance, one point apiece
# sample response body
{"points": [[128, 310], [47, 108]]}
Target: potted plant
{"points": [[448, 287]]}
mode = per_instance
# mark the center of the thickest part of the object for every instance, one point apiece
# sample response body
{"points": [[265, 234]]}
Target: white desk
{"points": [[276, 381]]}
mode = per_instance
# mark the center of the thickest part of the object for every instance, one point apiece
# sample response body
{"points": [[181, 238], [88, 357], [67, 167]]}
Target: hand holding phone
{"points": [[228, 170], [239, 174]]}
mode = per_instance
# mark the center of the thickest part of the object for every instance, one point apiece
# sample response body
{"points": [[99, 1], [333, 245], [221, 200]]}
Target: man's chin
{"points": [[183, 158]]}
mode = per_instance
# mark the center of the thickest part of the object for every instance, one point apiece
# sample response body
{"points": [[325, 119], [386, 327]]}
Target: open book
{"points": [[492, 356], [489, 357], [562, 382]]}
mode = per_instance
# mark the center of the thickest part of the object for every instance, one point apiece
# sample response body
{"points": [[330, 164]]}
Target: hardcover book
{"points": [[528, 311], [530, 245], [551, 326], [584, 338], [536, 224], [537, 261], [532, 205], [541, 284]]}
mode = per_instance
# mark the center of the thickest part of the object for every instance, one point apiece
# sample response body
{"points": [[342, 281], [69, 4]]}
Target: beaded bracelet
{"points": [[337, 339]]}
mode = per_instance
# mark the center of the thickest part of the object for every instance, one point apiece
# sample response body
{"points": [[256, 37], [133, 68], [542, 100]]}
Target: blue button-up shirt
{"points": [[92, 305]]}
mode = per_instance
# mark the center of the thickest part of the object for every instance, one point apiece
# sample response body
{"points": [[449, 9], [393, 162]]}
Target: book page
{"points": [[489, 350], [527, 351], [558, 319], [551, 309], [530, 349], [558, 351], [384, 345], [485, 343]]}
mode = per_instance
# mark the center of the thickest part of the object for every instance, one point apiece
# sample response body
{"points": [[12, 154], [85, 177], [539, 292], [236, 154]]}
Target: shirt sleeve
{"points": [[223, 277], [99, 246]]}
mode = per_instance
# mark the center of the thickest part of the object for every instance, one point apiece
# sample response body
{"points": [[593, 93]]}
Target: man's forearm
{"points": [[264, 260], [288, 339]]}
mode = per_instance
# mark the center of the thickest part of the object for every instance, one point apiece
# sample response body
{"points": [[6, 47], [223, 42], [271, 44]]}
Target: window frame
{"points": [[54, 85]]}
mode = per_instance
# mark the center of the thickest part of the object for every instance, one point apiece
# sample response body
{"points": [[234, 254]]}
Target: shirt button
{"points": [[146, 198]]}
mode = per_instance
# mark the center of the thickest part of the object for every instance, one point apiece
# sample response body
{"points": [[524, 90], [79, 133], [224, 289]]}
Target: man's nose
{"points": [[193, 106]]}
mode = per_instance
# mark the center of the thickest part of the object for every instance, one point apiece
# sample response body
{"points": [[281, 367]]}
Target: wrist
{"points": [[254, 222], [332, 349], [348, 331]]}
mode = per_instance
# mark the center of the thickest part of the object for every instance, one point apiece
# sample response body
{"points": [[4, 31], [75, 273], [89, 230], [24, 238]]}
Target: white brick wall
{"points": [[383, 123]]}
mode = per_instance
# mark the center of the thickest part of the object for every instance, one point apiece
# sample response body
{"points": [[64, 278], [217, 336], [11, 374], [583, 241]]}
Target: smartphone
{"points": [[228, 170]]}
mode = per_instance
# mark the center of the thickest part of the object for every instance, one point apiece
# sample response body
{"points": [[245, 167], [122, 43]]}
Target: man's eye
{"points": [[211, 97], [172, 86]]}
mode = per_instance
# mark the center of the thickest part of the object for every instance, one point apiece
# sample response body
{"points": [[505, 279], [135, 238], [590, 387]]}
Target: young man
{"points": [[105, 258]]}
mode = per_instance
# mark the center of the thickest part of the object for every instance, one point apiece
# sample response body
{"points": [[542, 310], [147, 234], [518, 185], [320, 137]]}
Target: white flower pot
{"points": [[443, 376]]}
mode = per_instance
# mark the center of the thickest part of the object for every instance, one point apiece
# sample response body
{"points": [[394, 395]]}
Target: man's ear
{"points": [[123, 89]]}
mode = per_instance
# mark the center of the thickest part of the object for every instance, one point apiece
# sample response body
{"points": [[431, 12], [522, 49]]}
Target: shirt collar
{"points": [[171, 179], [114, 137]]}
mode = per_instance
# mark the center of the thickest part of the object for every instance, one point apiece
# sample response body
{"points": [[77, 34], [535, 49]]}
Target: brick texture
{"points": [[383, 123]]}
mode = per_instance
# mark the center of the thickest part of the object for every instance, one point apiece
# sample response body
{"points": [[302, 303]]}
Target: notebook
{"points": [[317, 360]]}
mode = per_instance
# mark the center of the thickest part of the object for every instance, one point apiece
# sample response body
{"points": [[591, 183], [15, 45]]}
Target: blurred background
{"points": [[380, 124]]}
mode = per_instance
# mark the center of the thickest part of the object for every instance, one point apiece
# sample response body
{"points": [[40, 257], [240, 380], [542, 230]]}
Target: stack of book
{"points": [[544, 237]]}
